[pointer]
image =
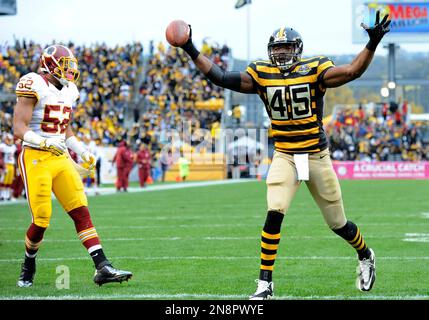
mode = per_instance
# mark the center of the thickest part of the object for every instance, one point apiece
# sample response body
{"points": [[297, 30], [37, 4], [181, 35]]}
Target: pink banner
{"points": [[381, 170]]}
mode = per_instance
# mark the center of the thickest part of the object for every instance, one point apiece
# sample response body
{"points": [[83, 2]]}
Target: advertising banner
{"points": [[410, 20], [381, 170]]}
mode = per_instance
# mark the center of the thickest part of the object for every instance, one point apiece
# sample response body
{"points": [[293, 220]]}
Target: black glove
{"points": [[189, 46], [377, 32]]}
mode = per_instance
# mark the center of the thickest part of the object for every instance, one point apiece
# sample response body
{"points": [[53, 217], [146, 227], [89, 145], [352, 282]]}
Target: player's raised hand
{"points": [[179, 34], [377, 31]]}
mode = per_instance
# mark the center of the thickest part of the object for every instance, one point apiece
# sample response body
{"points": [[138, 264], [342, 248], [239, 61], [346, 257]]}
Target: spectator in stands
{"points": [[375, 138], [236, 114]]}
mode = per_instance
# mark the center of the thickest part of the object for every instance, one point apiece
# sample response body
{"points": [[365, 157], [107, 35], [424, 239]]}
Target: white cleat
{"points": [[264, 291], [366, 273]]}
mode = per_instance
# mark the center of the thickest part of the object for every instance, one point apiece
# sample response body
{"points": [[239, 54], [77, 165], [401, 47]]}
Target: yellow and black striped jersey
{"points": [[294, 103]]}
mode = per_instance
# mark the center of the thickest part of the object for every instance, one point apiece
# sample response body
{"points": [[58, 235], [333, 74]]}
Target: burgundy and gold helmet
{"points": [[60, 62]]}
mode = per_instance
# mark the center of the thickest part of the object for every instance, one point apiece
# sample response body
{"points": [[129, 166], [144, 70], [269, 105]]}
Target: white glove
{"points": [[89, 158], [53, 145]]}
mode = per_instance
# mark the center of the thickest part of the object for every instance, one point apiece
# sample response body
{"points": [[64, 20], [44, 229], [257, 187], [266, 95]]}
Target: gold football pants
{"points": [[44, 173], [323, 184]]}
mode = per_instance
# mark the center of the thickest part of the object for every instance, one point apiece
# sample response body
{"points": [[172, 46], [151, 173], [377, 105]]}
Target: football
{"points": [[177, 33]]}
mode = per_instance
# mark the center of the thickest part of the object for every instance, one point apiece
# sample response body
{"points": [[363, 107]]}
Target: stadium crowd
{"points": [[172, 104], [177, 96], [169, 98], [383, 133]]}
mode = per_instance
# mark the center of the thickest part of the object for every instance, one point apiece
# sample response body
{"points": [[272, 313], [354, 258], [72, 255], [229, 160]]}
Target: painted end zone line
{"points": [[173, 186]]}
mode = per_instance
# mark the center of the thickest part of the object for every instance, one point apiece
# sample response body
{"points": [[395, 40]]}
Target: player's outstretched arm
{"points": [[233, 80], [340, 75]]}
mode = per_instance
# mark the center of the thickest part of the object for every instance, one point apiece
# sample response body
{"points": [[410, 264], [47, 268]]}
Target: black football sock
{"points": [[99, 258], [351, 233], [270, 240], [30, 262]]}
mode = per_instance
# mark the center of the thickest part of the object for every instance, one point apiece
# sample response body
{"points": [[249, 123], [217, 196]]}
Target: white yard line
{"points": [[416, 237]]}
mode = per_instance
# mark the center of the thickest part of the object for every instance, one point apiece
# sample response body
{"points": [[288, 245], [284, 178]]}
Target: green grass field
{"points": [[204, 243]]}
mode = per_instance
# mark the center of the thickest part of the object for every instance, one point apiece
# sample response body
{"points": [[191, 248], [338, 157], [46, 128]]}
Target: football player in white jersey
{"points": [[8, 150], [41, 119]]}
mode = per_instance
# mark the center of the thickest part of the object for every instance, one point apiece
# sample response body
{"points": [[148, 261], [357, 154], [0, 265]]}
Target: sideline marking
{"points": [[179, 185]]}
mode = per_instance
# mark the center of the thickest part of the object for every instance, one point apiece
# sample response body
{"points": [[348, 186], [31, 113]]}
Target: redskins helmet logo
{"points": [[50, 50]]}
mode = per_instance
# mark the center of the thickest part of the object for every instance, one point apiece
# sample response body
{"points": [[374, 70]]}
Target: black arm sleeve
{"points": [[226, 79]]}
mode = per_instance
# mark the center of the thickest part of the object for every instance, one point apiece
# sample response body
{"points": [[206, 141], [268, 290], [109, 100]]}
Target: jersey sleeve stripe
{"points": [[27, 94], [253, 74], [326, 65], [320, 77]]}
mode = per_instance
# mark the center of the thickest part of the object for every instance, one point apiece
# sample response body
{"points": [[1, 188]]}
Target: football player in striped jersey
{"points": [[41, 119], [292, 90]]}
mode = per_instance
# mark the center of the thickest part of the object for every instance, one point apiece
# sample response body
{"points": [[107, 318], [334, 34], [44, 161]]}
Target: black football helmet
{"points": [[285, 37]]}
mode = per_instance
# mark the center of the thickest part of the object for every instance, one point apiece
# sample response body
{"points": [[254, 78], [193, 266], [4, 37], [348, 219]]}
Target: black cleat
{"points": [[108, 274], [27, 275]]}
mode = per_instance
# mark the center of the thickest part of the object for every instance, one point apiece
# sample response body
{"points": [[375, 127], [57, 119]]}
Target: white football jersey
{"points": [[8, 153], [53, 109]]}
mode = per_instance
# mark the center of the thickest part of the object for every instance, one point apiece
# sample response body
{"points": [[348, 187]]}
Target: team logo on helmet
{"points": [[291, 40], [60, 62]]}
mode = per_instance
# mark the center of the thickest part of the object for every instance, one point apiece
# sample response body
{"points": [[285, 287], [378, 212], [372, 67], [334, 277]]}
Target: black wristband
{"points": [[190, 49], [371, 45]]}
